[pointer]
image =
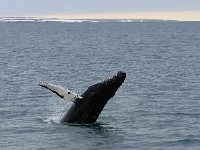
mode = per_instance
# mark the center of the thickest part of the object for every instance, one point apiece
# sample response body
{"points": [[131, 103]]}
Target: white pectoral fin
{"points": [[60, 91], [69, 95]]}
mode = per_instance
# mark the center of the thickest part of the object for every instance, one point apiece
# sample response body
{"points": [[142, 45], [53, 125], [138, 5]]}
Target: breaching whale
{"points": [[87, 107]]}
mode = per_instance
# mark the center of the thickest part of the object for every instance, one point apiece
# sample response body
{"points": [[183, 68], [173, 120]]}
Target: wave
{"points": [[186, 141]]}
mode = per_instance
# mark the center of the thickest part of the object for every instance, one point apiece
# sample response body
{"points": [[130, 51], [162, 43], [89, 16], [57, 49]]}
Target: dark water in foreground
{"points": [[158, 106]]}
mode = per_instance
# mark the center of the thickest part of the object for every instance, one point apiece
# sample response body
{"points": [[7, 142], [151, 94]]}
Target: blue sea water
{"points": [[156, 108]]}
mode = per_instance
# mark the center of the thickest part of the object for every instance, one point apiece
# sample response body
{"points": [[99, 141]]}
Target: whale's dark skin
{"points": [[88, 109]]}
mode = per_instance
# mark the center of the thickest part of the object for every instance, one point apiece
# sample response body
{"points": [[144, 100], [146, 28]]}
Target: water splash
{"points": [[53, 119], [56, 109]]}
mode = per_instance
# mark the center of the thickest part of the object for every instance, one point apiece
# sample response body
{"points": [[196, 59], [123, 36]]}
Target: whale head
{"points": [[87, 109]]}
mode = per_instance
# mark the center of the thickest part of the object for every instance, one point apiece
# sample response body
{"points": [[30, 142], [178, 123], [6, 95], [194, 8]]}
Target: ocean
{"points": [[156, 108]]}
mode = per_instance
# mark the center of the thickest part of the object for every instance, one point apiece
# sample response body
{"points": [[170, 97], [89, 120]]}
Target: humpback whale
{"points": [[87, 107]]}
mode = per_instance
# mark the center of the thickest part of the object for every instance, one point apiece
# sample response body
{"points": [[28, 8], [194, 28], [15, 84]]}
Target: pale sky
{"points": [[103, 9]]}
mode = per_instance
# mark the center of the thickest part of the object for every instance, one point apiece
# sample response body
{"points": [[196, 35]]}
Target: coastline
{"points": [[39, 19]]}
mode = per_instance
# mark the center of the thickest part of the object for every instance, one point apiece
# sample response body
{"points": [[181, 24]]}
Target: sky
{"points": [[103, 9]]}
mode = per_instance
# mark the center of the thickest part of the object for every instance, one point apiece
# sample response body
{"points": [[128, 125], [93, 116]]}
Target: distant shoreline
{"points": [[38, 19]]}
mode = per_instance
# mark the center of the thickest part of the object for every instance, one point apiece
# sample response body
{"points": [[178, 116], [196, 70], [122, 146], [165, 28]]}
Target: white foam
{"points": [[53, 119], [126, 20]]}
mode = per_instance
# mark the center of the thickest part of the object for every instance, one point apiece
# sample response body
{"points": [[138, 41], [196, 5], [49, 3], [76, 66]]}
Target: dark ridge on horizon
{"points": [[41, 19]]}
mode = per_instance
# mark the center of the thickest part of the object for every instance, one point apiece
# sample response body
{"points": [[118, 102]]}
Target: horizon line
{"points": [[153, 15]]}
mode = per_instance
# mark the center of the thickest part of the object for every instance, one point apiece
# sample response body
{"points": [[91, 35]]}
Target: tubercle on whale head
{"points": [[119, 77], [87, 109]]}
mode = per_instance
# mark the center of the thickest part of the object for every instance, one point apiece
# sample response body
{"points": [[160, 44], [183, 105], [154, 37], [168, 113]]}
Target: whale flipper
{"points": [[60, 91]]}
